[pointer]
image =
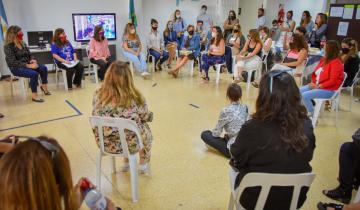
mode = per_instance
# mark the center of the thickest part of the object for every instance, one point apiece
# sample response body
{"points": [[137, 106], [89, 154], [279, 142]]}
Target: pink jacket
{"points": [[98, 50]]}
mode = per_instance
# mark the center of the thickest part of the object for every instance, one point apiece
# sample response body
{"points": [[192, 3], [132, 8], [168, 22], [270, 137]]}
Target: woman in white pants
{"points": [[250, 55]]}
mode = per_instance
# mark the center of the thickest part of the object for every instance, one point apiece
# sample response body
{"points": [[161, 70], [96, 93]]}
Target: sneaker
{"points": [[145, 75], [339, 195], [125, 167], [144, 168]]}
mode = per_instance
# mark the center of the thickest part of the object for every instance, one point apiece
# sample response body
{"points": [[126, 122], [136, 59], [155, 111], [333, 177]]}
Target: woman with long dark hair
{"points": [[64, 53], [327, 77], [99, 52], [319, 31], [278, 139], [349, 50], [306, 22], [230, 23], [215, 54]]}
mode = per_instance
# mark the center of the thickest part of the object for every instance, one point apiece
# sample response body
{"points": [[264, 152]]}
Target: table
{"points": [[44, 56]]}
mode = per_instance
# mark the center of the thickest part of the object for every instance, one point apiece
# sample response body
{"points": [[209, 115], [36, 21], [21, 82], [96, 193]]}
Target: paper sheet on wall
{"points": [[348, 11], [358, 13], [336, 11], [343, 28]]}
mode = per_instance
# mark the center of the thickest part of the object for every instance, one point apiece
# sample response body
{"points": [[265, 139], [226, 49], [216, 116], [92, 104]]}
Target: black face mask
{"points": [[236, 31], [191, 33], [154, 28], [231, 17], [345, 50]]}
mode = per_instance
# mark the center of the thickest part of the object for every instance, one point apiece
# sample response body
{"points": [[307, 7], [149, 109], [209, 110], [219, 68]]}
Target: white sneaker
{"points": [[145, 75], [144, 169], [125, 167]]}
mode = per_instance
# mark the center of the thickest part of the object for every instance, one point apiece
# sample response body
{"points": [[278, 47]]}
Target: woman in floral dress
{"points": [[118, 98]]}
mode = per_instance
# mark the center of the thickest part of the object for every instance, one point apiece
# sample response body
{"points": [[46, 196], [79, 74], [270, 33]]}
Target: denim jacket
{"points": [[194, 44]]}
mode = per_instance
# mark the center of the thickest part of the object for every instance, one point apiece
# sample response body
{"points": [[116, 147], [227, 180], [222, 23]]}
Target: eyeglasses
{"points": [[276, 73], [47, 145]]}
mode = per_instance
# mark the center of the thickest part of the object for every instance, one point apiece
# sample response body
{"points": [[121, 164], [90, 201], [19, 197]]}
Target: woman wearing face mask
{"points": [[99, 52], [155, 44], [64, 53], [319, 31], [132, 50], [215, 53], [191, 44], [22, 64], [179, 26], [327, 77], [306, 22], [250, 55], [349, 49], [230, 23], [236, 40], [170, 42]]}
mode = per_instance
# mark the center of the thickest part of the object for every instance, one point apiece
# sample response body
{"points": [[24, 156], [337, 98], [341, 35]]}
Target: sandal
{"points": [[37, 100], [324, 206], [255, 84], [47, 93]]}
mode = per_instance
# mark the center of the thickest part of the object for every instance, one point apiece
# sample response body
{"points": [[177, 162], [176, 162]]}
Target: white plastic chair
{"points": [[24, 83], [63, 71], [352, 87], [264, 60], [357, 197], [319, 104], [218, 71], [93, 68], [266, 181], [121, 124], [256, 71]]}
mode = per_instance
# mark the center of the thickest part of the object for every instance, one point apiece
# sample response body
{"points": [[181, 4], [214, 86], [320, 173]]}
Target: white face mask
{"points": [[170, 26], [178, 16], [213, 34], [202, 11]]}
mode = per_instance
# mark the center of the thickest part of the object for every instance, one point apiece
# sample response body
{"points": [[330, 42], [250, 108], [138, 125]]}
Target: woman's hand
{"points": [[313, 86], [32, 66], [80, 193]]}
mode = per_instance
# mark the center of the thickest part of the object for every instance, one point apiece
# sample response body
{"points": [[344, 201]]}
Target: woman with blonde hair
{"points": [[250, 55], [117, 97], [22, 64], [36, 174], [132, 49]]}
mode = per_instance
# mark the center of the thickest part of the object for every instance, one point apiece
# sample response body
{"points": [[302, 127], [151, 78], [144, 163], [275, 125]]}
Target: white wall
{"points": [[37, 15], [249, 14]]}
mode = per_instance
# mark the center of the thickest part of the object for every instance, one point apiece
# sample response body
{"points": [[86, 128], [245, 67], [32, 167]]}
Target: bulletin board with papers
{"points": [[344, 21]]}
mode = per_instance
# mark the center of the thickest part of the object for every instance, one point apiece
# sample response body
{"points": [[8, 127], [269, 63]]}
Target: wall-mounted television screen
{"points": [[85, 23]]}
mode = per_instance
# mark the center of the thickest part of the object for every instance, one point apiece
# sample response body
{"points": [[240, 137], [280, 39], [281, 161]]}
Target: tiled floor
{"points": [[185, 175]]}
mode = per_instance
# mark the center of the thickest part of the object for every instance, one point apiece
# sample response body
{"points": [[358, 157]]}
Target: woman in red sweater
{"points": [[327, 77]]}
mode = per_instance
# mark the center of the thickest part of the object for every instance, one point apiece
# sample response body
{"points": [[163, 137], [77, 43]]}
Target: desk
{"points": [[44, 56]]}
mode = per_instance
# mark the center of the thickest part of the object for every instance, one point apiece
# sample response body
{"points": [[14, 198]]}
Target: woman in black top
{"points": [[350, 58], [22, 64], [279, 139]]}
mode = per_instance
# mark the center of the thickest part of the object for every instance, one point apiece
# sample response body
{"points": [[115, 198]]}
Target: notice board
{"points": [[344, 21]]}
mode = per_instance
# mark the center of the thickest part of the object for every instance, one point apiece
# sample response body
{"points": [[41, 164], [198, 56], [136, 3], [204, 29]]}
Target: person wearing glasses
{"points": [[250, 55], [43, 161], [278, 139], [327, 77]]}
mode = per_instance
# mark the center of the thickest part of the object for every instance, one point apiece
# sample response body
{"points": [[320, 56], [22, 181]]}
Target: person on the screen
{"points": [[132, 50], [64, 53], [155, 44], [99, 52]]}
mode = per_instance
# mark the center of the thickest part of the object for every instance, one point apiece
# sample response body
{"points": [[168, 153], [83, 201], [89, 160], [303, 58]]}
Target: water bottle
{"points": [[93, 197]]}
